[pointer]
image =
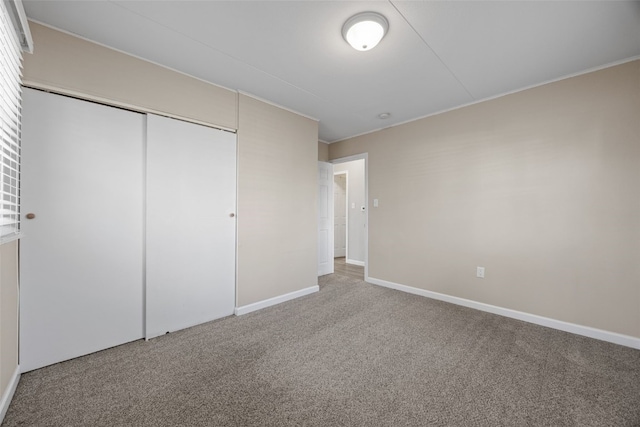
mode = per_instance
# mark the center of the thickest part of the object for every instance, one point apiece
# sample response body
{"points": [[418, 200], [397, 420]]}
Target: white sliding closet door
{"points": [[81, 257], [190, 249]]}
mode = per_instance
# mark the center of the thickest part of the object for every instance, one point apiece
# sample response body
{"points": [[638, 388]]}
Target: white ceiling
{"points": [[437, 55]]}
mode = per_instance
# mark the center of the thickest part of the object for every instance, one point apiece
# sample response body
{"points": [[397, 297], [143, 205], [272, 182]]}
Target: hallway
{"points": [[342, 268]]}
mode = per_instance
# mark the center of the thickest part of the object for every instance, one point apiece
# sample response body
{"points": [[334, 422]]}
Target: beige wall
{"points": [[540, 187], [277, 180], [8, 313], [323, 152], [74, 66]]}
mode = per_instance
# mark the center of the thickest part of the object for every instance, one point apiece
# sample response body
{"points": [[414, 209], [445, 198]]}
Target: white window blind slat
{"points": [[10, 119]]}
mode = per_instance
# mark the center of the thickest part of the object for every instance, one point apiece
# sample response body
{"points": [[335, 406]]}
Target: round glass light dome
{"points": [[365, 30]]}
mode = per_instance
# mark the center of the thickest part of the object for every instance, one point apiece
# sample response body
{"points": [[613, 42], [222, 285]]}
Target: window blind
{"points": [[10, 114]]}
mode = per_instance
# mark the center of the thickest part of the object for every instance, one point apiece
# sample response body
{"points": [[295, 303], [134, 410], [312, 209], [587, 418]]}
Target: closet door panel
{"points": [[81, 257], [190, 234]]}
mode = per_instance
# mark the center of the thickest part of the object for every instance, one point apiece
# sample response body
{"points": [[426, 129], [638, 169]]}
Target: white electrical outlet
{"points": [[480, 272]]}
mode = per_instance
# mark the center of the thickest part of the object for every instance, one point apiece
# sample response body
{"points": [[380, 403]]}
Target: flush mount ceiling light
{"points": [[365, 30]]}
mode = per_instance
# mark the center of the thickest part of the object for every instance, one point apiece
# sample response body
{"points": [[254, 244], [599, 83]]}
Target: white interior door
{"points": [[191, 227], [81, 272], [325, 218], [340, 215]]}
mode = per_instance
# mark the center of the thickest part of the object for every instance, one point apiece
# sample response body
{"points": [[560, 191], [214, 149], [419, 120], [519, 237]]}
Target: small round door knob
{"points": [[232, 215], [30, 215]]}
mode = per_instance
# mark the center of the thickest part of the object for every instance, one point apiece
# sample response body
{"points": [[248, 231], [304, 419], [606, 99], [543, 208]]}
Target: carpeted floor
{"points": [[353, 354]]}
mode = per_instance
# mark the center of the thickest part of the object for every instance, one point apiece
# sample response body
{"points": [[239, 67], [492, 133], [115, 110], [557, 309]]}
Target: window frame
{"points": [[14, 38]]}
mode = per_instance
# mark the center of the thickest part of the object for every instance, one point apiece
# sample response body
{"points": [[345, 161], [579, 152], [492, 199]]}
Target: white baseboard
{"points": [[354, 262], [275, 300], [7, 396], [599, 334]]}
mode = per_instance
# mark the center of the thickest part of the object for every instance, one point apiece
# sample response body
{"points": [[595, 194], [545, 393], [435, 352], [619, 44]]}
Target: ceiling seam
{"points": [[221, 52], [432, 50]]}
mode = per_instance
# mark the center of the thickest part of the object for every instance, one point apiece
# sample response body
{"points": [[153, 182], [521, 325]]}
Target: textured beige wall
{"points": [[74, 66], [8, 313], [277, 180], [540, 187], [323, 152]]}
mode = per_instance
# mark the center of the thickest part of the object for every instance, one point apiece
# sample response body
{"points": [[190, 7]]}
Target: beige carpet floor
{"points": [[352, 354]]}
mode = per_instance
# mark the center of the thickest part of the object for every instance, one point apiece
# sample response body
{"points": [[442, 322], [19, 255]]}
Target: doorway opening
{"points": [[340, 213], [351, 216]]}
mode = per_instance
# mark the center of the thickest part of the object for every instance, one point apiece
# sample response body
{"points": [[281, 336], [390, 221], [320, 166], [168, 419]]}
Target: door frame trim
{"points": [[365, 157]]}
